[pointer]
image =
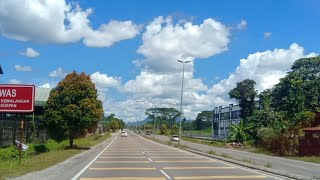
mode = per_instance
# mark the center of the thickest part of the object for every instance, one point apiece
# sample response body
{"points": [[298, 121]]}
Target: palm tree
{"points": [[238, 133]]}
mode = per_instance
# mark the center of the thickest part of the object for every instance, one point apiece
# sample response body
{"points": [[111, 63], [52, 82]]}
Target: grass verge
{"points": [[312, 159], [31, 163], [205, 142]]}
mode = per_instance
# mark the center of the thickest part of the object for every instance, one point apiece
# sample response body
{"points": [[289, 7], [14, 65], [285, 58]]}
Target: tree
{"points": [[239, 133], [175, 129], [299, 90], [245, 94], [113, 123], [163, 129], [164, 115], [203, 120], [72, 107]]}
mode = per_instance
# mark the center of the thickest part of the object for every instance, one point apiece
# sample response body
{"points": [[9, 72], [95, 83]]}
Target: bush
{"points": [[52, 145], [163, 129], [9, 153]]}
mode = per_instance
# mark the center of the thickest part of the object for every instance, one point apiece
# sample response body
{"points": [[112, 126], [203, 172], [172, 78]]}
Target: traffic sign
{"points": [[17, 98]]}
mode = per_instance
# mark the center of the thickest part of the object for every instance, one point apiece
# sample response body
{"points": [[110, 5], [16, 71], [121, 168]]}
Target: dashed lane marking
{"points": [[124, 168], [126, 178], [106, 162], [187, 161], [165, 174], [221, 177], [188, 168], [122, 157]]}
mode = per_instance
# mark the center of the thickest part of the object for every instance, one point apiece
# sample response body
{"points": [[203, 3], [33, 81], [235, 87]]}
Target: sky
{"points": [[130, 48]]}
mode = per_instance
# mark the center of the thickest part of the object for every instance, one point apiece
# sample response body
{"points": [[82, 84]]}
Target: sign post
{"points": [[17, 99]]}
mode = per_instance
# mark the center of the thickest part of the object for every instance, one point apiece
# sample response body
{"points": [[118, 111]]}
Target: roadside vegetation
{"points": [[43, 155], [272, 121]]}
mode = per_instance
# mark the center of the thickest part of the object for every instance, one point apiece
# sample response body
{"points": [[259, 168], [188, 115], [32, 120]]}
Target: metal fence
{"points": [[10, 131]]}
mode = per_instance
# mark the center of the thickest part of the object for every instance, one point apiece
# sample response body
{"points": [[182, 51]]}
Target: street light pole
{"points": [[145, 107], [183, 62]]}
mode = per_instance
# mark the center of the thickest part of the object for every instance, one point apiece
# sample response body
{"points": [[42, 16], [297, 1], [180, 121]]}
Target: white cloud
{"points": [[58, 73], [159, 81], [46, 85], [265, 68], [58, 22], [31, 53], [110, 33], [14, 81], [163, 89], [103, 82], [18, 67], [242, 25], [164, 42], [267, 34]]}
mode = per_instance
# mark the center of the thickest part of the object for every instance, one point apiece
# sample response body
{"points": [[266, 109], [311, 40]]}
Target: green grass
{"points": [[313, 159], [248, 161], [268, 165], [212, 152], [205, 142], [31, 163]]}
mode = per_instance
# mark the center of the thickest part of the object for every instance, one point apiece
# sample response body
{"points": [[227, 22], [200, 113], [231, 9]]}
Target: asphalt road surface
{"points": [[134, 157]]}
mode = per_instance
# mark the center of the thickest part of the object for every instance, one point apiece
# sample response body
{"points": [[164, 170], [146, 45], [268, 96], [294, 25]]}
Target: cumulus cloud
{"points": [[164, 42], [163, 89], [59, 22], [265, 68], [31, 53], [103, 82], [14, 81], [242, 25], [18, 67], [267, 34], [46, 85], [58, 73]]}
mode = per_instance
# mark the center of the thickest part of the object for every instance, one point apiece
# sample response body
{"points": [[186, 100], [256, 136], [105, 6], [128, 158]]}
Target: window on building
{"points": [[235, 114], [225, 115], [222, 124]]}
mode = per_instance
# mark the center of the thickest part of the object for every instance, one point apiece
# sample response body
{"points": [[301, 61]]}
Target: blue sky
{"points": [[130, 47]]}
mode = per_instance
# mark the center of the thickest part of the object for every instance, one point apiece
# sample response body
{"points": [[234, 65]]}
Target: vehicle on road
{"points": [[148, 133], [124, 134], [174, 138]]}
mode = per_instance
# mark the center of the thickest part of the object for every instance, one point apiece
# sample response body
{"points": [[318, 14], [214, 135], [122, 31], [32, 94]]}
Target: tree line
{"points": [[287, 108]]}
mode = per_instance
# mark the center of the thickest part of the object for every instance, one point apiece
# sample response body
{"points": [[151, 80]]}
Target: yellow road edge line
{"points": [[122, 161], [178, 168], [123, 168], [176, 157], [142, 157], [126, 178], [187, 161], [221, 177]]}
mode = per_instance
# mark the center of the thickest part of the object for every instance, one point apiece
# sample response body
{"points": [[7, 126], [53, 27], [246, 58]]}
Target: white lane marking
{"points": [[90, 163], [150, 159], [243, 168], [165, 174]]}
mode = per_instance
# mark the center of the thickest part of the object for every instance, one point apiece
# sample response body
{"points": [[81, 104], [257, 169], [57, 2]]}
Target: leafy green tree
{"points": [[299, 90], [163, 129], [72, 107], [245, 94], [163, 115], [175, 129], [203, 120], [239, 133]]}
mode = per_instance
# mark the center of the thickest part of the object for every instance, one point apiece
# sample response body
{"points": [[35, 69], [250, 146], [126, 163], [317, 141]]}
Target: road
{"points": [[300, 168], [134, 157]]}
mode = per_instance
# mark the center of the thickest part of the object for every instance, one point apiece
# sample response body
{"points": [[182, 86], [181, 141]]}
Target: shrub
{"points": [[9, 153]]}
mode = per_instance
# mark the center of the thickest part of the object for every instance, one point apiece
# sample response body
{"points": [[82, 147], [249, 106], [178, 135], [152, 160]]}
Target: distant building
{"points": [[223, 117]]}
